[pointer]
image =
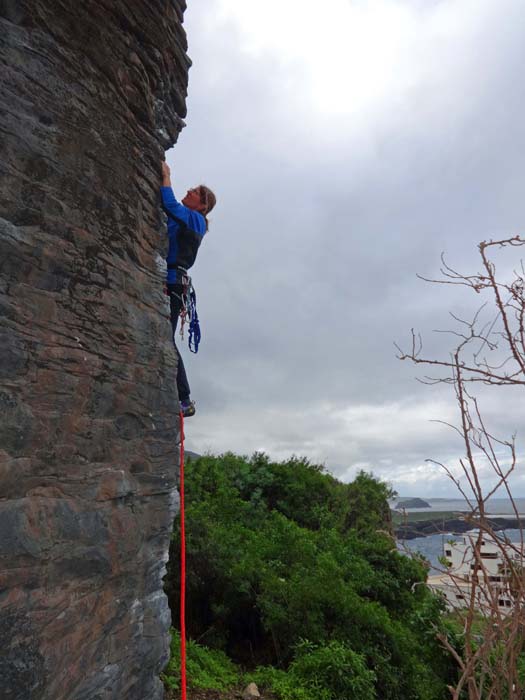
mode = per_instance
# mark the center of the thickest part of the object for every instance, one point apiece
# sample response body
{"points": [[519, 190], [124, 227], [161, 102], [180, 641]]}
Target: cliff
{"points": [[92, 93]]}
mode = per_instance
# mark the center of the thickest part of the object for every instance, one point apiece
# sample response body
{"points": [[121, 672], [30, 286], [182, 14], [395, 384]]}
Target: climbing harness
{"points": [[188, 310], [182, 566]]}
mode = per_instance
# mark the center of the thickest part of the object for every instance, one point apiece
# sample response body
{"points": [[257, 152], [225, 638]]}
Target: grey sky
{"points": [[348, 145]]}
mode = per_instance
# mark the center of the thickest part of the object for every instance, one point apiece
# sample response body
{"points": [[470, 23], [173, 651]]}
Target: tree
{"points": [[279, 553], [490, 351], [368, 507]]}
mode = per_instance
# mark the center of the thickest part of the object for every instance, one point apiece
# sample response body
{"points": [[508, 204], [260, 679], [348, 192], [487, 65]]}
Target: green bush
{"points": [[330, 672], [335, 668], [205, 668], [279, 552], [283, 684]]}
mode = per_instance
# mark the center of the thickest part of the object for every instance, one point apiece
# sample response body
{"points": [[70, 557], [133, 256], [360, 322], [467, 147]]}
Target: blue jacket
{"points": [[186, 229]]}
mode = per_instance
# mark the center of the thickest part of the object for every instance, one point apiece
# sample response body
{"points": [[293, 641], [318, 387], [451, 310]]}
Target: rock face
{"points": [[92, 93]]}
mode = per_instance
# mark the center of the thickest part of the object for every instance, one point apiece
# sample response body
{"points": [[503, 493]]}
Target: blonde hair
{"points": [[208, 199]]}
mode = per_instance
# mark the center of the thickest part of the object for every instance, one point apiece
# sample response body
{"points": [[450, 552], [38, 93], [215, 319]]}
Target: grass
{"points": [[207, 669]]}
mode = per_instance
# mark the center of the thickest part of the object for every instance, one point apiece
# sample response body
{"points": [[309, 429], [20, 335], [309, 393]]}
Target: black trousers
{"points": [[175, 293]]}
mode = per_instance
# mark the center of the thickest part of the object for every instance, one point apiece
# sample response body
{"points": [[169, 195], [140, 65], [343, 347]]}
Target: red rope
{"points": [[182, 567]]}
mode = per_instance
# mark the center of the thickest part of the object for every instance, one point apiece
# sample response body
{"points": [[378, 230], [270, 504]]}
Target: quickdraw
{"points": [[189, 312]]}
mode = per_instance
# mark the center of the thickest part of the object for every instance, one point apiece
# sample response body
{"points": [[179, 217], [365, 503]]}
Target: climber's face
{"points": [[192, 199]]}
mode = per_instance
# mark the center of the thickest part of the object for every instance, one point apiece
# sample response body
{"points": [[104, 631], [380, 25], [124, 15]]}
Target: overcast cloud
{"points": [[349, 143]]}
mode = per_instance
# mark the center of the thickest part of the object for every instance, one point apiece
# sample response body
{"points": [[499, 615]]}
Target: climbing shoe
{"points": [[187, 408]]}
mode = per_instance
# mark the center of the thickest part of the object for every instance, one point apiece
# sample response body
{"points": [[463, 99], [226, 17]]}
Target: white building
{"points": [[487, 577]]}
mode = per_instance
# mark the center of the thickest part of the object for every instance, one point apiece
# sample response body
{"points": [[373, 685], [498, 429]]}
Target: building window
{"points": [[459, 596], [495, 579], [448, 552], [489, 555]]}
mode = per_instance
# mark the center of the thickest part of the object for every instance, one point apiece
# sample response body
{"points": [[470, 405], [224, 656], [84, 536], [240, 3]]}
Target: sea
{"points": [[432, 547]]}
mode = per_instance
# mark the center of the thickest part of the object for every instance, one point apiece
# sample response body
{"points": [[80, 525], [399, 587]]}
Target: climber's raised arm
{"points": [[184, 211], [169, 202]]}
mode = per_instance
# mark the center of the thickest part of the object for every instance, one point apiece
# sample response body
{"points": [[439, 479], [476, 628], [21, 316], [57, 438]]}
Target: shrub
{"points": [[284, 685], [205, 668], [336, 668], [277, 553], [329, 672]]}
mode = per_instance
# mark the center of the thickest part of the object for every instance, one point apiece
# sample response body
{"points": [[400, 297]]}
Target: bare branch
{"points": [[487, 662]]}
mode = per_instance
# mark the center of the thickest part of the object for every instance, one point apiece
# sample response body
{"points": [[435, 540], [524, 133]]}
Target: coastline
{"points": [[459, 525]]}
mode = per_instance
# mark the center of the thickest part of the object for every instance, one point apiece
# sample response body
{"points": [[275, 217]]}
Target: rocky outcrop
{"points": [[412, 503], [459, 525], [92, 93]]}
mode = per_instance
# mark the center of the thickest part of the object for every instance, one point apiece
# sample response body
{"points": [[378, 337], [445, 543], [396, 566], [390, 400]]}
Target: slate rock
{"points": [[91, 96]]}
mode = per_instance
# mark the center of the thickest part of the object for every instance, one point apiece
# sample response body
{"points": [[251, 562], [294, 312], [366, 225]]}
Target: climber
{"points": [[187, 225]]}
